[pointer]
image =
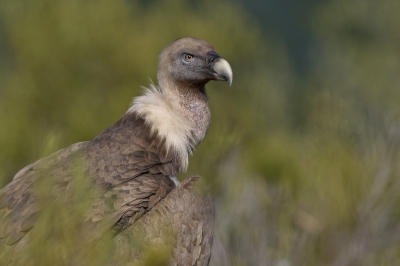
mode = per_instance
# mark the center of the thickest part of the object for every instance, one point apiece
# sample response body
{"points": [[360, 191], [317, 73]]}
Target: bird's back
{"points": [[125, 171]]}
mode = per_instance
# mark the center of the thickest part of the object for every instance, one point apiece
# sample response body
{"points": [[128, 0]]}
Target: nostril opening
{"points": [[212, 57]]}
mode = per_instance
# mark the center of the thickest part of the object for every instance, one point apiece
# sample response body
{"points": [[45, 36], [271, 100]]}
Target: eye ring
{"points": [[188, 57]]}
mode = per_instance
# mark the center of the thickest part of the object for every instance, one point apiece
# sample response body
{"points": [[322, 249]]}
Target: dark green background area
{"points": [[303, 149]]}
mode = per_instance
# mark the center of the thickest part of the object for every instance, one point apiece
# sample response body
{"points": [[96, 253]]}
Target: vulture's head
{"points": [[192, 62]]}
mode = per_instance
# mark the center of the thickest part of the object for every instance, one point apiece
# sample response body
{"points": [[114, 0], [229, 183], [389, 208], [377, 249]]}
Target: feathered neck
{"points": [[178, 116]]}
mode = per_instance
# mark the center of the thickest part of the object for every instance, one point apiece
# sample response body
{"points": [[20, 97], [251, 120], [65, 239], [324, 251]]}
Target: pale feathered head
{"points": [[192, 61]]}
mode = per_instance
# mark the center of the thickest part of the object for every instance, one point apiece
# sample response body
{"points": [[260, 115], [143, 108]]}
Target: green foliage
{"points": [[304, 172]]}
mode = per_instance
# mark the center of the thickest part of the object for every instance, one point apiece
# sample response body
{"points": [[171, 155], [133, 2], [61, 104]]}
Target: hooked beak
{"points": [[223, 70]]}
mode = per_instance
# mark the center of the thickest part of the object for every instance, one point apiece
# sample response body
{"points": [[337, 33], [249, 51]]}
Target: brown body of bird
{"points": [[131, 167]]}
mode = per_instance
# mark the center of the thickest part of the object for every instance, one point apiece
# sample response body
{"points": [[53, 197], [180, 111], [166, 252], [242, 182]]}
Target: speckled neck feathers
{"points": [[179, 116]]}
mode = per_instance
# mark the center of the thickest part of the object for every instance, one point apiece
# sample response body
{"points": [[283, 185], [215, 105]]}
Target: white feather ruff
{"points": [[166, 121]]}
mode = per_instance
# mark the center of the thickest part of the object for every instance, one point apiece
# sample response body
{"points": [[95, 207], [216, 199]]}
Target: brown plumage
{"points": [[190, 223], [131, 167]]}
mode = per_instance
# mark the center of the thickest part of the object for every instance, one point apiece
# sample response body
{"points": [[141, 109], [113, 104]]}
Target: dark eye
{"points": [[188, 57]]}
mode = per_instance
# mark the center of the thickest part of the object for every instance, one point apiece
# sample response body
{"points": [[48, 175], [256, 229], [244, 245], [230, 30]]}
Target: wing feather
{"points": [[126, 179], [181, 225]]}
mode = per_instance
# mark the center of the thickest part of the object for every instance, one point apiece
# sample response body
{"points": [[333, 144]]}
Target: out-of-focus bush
{"points": [[304, 171]]}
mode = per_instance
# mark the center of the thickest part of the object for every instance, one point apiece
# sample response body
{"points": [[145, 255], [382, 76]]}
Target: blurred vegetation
{"points": [[305, 169]]}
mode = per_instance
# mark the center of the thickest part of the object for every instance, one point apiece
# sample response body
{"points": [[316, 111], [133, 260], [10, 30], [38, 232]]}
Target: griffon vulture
{"points": [[131, 167]]}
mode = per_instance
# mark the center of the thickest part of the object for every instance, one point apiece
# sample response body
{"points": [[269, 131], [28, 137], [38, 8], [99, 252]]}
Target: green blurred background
{"points": [[303, 149]]}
